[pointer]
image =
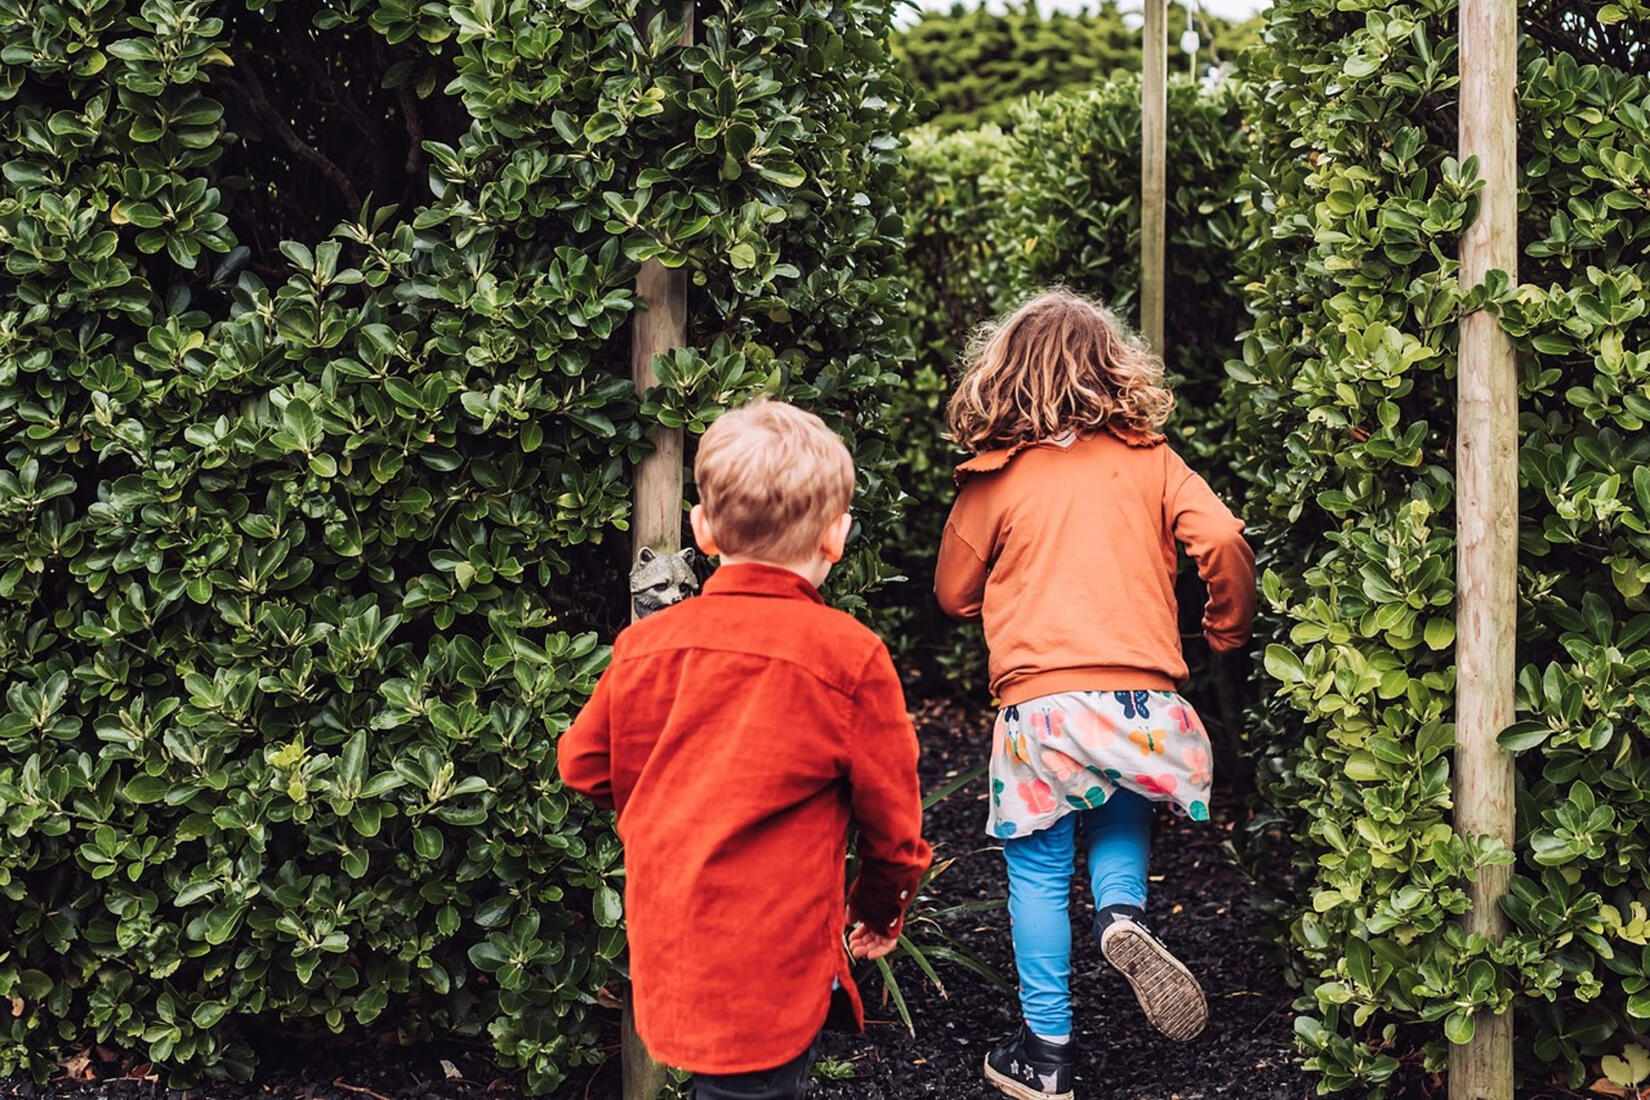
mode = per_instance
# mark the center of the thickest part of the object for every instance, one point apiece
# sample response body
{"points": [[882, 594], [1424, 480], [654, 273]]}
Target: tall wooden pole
{"points": [[1154, 117], [656, 500], [660, 328], [642, 1078], [656, 521], [1487, 510], [1191, 29]]}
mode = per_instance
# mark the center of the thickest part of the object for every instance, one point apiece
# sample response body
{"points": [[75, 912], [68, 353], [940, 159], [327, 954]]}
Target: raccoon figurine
{"points": [[659, 580]]}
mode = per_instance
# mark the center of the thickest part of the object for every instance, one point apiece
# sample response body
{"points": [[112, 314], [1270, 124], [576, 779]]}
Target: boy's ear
{"points": [[835, 542], [702, 533]]}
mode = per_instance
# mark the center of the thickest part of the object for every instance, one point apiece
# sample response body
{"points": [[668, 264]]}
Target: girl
{"points": [[1063, 539]]}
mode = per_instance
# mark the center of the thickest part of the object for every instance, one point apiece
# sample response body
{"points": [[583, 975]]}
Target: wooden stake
{"points": [[656, 503], [1154, 114], [1487, 510], [642, 1078], [1191, 28], [656, 520]]}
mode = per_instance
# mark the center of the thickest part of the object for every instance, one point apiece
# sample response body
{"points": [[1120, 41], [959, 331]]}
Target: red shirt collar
{"points": [[757, 579]]}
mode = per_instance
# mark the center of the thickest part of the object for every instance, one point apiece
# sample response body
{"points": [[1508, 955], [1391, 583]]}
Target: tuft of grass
{"points": [[835, 1069], [924, 939]]}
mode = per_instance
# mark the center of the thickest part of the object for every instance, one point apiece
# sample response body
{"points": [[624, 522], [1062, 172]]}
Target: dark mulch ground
{"points": [[1199, 906]]}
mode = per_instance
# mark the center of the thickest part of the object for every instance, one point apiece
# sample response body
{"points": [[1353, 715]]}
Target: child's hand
{"points": [[866, 944]]}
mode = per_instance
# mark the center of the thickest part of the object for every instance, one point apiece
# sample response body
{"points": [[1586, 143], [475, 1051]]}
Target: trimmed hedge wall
{"points": [[315, 430], [972, 63], [1074, 219], [954, 188], [1348, 431]]}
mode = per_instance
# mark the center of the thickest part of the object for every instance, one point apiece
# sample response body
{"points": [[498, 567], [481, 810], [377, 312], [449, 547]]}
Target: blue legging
{"points": [[1040, 866]]}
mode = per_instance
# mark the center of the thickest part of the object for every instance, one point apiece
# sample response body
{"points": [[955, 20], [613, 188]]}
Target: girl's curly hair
{"points": [[1059, 363]]}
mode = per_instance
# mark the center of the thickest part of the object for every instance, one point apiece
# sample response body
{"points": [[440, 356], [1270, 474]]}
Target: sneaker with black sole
{"points": [[1032, 1068], [1166, 990]]}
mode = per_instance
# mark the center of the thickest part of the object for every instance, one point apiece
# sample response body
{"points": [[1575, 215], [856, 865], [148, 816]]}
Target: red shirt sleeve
{"points": [[584, 755], [1213, 536], [886, 800]]}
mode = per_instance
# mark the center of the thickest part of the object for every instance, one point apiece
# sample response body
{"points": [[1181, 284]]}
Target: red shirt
{"points": [[736, 734]]}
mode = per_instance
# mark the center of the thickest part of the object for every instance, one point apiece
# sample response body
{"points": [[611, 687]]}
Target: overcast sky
{"points": [[1230, 9]]}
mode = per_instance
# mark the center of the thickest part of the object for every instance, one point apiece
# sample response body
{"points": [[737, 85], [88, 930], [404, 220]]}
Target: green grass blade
{"points": [[958, 955], [955, 785], [990, 905], [890, 987], [923, 964]]}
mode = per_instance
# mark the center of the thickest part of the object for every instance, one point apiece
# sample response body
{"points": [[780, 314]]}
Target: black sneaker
{"points": [[1031, 1068], [1166, 990]]}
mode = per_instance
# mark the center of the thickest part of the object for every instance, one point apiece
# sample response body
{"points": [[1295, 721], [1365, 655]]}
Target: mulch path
{"points": [[1199, 907]]}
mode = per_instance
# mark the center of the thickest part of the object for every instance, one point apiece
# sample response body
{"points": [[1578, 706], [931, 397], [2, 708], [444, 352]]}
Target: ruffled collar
{"points": [[987, 462]]}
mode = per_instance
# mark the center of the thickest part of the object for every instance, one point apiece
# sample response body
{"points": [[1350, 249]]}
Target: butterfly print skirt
{"points": [[1058, 754]]}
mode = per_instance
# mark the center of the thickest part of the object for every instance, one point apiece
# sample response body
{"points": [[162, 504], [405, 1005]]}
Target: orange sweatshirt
{"points": [[1068, 554]]}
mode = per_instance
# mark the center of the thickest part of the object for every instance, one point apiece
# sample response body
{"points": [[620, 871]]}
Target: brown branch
{"points": [[415, 129], [258, 100], [339, 1082], [1440, 120], [410, 117], [323, 73]]}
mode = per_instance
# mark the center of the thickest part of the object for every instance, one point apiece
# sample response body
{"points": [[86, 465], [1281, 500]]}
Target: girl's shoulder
{"points": [[990, 462]]}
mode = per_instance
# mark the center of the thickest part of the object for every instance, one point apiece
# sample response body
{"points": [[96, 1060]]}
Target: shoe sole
{"points": [[1166, 990], [1010, 1087]]}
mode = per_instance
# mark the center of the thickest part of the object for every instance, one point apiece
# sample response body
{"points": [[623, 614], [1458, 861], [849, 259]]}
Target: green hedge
{"points": [[1074, 219], [954, 187], [313, 496], [1348, 428], [971, 64], [992, 218]]}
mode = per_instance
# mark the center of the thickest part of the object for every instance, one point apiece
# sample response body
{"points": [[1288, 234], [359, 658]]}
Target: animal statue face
{"points": [[659, 580]]}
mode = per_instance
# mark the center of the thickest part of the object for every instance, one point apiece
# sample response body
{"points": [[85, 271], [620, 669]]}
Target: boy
{"points": [[736, 734]]}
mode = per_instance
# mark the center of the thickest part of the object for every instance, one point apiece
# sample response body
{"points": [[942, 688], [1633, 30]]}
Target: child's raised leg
{"points": [[1119, 835]]}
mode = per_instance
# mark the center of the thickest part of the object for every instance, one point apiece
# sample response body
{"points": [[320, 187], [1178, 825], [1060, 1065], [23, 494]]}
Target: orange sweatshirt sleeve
{"points": [[959, 575], [1213, 536], [584, 754], [885, 799]]}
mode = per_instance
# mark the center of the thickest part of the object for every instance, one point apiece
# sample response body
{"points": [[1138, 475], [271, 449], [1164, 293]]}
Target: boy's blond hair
{"points": [[771, 478], [1059, 363]]}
